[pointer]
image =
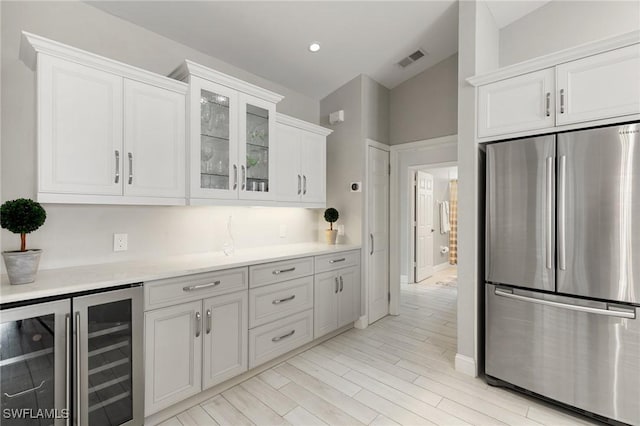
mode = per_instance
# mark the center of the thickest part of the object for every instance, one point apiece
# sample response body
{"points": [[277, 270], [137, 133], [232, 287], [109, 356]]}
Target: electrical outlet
{"points": [[120, 242], [283, 231], [341, 230]]}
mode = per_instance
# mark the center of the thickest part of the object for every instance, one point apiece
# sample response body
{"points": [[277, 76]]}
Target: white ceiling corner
{"points": [[506, 12]]}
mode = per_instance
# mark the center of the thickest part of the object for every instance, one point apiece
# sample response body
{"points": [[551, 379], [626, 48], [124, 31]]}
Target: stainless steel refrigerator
{"points": [[562, 289]]}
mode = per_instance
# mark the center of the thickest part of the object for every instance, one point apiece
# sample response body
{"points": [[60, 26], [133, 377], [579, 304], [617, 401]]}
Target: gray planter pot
{"points": [[22, 266]]}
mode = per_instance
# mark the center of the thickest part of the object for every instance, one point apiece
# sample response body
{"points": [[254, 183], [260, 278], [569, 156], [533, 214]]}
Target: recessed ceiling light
{"points": [[314, 47]]}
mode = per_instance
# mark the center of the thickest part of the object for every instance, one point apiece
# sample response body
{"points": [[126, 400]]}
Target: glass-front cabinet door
{"points": [[257, 128], [34, 348], [214, 140]]}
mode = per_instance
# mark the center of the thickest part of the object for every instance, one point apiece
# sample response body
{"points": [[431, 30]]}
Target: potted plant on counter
{"points": [[22, 216], [331, 215]]}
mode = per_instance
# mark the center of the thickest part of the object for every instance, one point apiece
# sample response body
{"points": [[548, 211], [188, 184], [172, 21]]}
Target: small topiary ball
{"points": [[22, 216], [331, 215]]}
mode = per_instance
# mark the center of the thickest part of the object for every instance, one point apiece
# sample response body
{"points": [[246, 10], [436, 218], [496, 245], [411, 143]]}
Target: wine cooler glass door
{"points": [[33, 367]]}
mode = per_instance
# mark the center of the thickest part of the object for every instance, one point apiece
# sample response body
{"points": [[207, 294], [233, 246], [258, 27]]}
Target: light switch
{"points": [[120, 242], [341, 230]]}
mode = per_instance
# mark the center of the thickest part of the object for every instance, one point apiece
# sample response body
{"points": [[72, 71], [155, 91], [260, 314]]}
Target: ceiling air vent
{"points": [[405, 62]]}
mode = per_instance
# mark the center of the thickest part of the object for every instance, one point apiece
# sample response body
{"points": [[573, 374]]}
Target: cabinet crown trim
{"points": [[31, 45], [304, 125], [188, 68], [556, 58]]}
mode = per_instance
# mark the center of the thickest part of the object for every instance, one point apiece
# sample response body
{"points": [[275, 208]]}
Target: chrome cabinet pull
{"points": [[342, 259], [284, 336], [209, 321], [337, 285], [341, 284], [299, 184], [244, 177], [200, 286], [130, 168], [286, 299], [561, 101], [304, 185], [235, 176], [67, 365], [78, 369], [549, 212], [371, 237], [279, 271], [548, 104], [117, 166], [24, 391], [613, 312], [562, 212], [198, 324]]}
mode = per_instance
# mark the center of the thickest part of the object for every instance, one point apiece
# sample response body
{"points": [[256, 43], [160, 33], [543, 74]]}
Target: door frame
{"points": [[363, 321], [444, 160]]}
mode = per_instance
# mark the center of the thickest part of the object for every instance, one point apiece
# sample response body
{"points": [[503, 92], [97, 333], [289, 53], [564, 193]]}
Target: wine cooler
{"points": [[73, 361]]}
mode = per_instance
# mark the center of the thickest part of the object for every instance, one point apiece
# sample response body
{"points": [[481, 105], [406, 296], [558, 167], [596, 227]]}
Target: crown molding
{"points": [[32, 45], [556, 58], [304, 125], [189, 68]]}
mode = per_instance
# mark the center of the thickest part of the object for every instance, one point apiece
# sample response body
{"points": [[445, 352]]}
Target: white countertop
{"points": [[55, 282]]}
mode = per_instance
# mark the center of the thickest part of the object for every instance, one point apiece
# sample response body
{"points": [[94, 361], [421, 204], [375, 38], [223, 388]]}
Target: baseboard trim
{"points": [[466, 365], [361, 323], [404, 279], [441, 267]]}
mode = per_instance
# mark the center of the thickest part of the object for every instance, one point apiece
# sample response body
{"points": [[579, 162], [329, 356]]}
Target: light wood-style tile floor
{"points": [[397, 371]]}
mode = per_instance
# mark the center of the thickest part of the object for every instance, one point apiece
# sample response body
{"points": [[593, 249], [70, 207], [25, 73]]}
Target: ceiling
{"points": [[506, 12], [270, 39]]}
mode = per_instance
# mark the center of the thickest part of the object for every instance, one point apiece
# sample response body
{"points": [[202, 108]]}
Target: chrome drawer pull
{"points": [[277, 301], [130, 168], [24, 391], [341, 284], [338, 260], [548, 110], [337, 285], [117, 166], [235, 174], [198, 324], [561, 101], [200, 286], [279, 271], [209, 321], [284, 336]]}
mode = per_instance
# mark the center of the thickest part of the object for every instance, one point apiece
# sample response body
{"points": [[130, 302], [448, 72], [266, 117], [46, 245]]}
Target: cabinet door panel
{"points": [[154, 141], [288, 174], [173, 355], [314, 169], [325, 306], [599, 86], [516, 104], [348, 295], [79, 129], [225, 337]]}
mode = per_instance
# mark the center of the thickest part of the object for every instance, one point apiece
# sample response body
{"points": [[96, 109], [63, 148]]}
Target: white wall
{"points": [[83, 234], [562, 24]]}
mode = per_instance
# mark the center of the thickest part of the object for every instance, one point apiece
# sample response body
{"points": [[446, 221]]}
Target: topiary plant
{"points": [[331, 215], [22, 216]]}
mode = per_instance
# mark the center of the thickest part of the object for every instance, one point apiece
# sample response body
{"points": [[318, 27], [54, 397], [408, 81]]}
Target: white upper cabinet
{"points": [[108, 133], [231, 138], [516, 104], [300, 162], [154, 141], [80, 129], [599, 86]]}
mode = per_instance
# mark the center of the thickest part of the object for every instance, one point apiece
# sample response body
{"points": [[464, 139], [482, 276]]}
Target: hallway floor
{"points": [[397, 371]]}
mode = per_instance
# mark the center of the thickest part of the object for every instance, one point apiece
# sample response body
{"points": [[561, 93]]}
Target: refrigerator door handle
{"points": [[617, 312], [78, 371], [549, 213], [67, 365], [562, 213]]}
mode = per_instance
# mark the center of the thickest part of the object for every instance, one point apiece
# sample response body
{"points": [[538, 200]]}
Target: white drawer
{"points": [[275, 272], [330, 262], [274, 339], [172, 291], [272, 302]]}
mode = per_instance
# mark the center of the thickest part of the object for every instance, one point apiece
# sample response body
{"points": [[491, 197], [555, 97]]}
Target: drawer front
{"points": [[275, 272], [276, 301], [172, 291], [272, 340], [331, 262]]}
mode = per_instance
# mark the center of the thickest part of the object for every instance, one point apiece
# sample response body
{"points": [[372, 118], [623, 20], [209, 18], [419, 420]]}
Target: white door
{"points": [[325, 301], [154, 141], [313, 166], [378, 238], [288, 175], [599, 86], [516, 104], [226, 336], [79, 129], [424, 226], [173, 355], [348, 295]]}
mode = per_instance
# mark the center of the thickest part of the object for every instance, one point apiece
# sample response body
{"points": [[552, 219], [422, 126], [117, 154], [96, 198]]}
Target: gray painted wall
{"points": [[375, 110], [426, 106], [83, 234], [562, 24]]}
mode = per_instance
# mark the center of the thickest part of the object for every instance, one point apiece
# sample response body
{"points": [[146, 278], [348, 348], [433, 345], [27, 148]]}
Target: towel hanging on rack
{"points": [[445, 226]]}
